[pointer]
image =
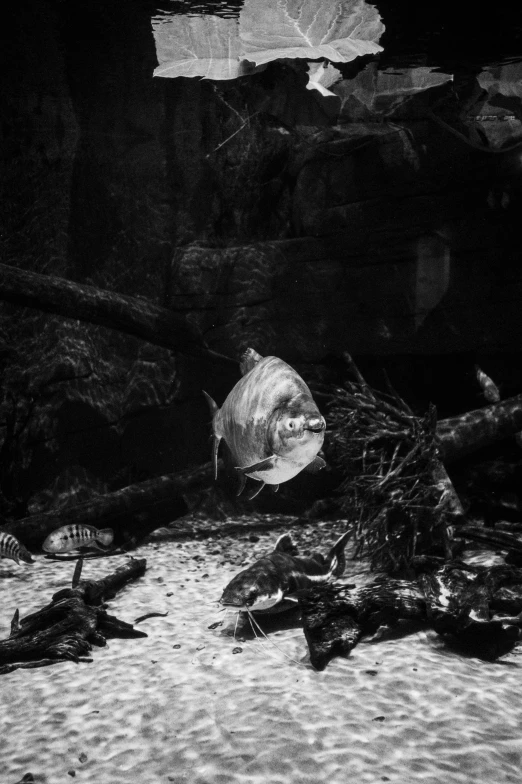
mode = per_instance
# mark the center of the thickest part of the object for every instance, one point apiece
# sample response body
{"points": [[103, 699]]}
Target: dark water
{"points": [[398, 237]]}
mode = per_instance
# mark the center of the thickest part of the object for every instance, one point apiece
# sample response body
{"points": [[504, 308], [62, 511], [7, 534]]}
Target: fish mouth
{"points": [[316, 425], [236, 605], [228, 606]]}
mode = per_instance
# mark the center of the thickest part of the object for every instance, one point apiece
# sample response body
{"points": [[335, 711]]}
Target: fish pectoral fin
{"points": [[98, 545], [256, 491], [275, 488], [296, 595], [264, 465], [315, 466]]}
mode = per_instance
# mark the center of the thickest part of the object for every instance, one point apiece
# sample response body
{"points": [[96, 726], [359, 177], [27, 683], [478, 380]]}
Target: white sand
{"points": [[145, 712]]}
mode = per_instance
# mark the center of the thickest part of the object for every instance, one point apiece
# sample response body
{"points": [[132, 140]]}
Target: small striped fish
{"points": [[10, 547], [71, 537]]}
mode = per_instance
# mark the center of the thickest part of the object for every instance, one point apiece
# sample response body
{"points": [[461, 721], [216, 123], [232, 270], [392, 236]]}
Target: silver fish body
{"points": [[274, 582], [270, 422], [71, 537], [10, 547]]}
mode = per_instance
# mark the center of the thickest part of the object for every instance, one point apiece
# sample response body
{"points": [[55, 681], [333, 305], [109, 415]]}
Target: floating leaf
{"points": [[340, 32], [225, 48], [205, 46], [499, 116], [321, 76], [383, 91], [504, 79]]}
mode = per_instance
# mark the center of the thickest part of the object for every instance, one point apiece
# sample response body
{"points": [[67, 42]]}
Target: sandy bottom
{"points": [[184, 705]]}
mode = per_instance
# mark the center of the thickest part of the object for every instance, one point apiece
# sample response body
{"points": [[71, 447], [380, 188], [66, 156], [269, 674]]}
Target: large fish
{"points": [[10, 547], [270, 423], [274, 582], [71, 537]]}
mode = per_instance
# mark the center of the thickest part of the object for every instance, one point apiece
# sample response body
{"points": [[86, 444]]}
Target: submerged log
{"points": [[458, 602], [335, 617], [461, 435], [501, 540], [133, 511], [68, 627], [138, 317], [472, 608]]}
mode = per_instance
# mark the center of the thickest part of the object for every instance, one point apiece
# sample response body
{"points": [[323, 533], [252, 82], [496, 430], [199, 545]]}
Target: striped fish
{"points": [[270, 423], [71, 537], [274, 583], [10, 547]]}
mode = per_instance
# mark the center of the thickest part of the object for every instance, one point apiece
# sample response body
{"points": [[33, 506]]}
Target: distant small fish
{"points": [[274, 582], [270, 423], [489, 388], [71, 537], [10, 547]]}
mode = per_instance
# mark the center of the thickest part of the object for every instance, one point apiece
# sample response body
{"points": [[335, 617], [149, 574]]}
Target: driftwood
{"points": [[133, 512], [134, 316], [68, 627], [464, 434], [473, 608], [395, 484], [336, 617]]}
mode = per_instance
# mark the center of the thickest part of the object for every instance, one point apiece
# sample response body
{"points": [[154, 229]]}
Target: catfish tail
{"points": [[336, 558]]}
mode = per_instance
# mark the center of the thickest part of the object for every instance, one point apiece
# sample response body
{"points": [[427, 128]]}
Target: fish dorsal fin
{"points": [[285, 544], [214, 408], [249, 359], [315, 466]]}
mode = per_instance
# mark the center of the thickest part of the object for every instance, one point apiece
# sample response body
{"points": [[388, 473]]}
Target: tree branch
{"points": [[131, 315]]}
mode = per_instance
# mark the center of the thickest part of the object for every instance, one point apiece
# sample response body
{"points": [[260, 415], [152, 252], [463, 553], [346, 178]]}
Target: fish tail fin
{"points": [[105, 536], [336, 558]]}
